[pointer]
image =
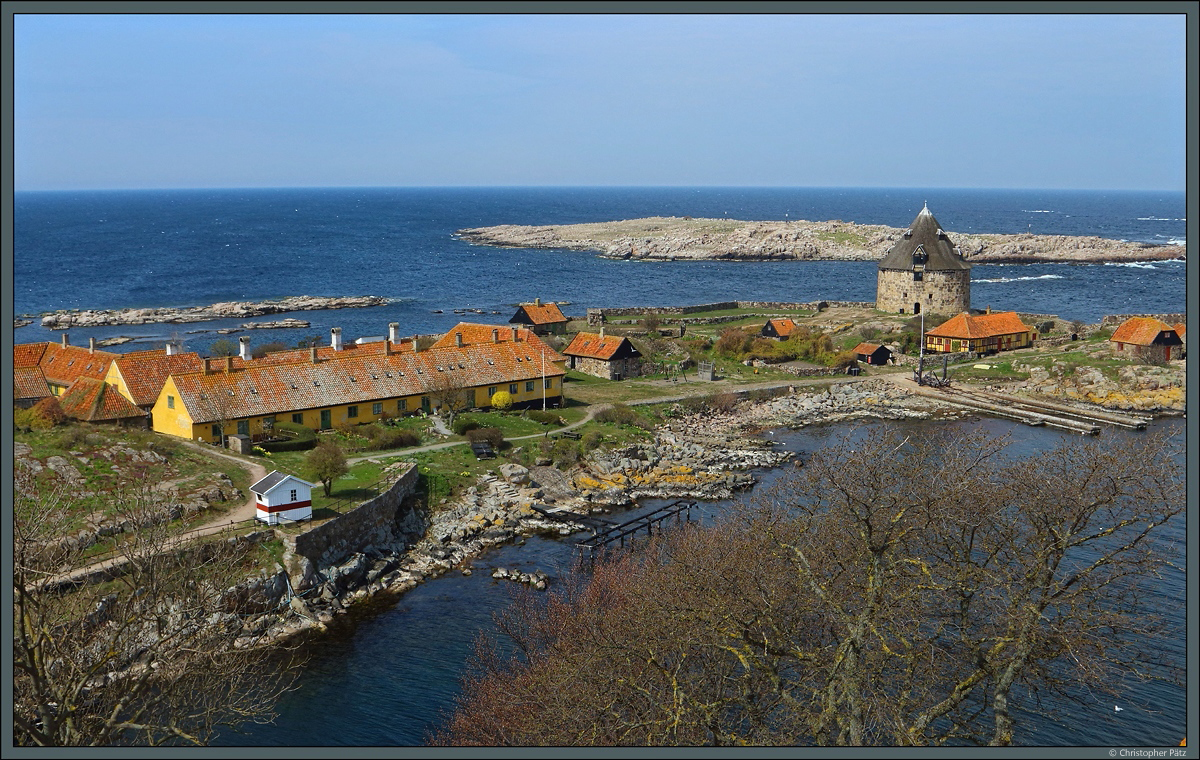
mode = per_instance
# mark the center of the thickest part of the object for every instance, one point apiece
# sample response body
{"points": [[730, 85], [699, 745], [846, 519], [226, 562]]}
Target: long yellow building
{"points": [[333, 388]]}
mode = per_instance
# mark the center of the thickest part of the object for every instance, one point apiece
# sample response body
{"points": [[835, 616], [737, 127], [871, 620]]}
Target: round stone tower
{"points": [[924, 272]]}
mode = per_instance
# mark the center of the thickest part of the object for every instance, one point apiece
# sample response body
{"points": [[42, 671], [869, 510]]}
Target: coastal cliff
{"points": [[62, 319], [685, 238]]}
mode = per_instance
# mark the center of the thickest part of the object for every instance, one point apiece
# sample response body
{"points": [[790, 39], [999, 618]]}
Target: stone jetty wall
{"points": [[370, 524]]}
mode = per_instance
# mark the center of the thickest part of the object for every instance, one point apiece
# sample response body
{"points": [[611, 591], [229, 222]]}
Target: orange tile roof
{"points": [[28, 354], [867, 348], [94, 400], [144, 372], [1180, 329], [325, 352], [783, 326], [280, 388], [28, 382], [592, 346], [965, 327], [474, 334], [63, 365], [1140, 331], [539, 314]]}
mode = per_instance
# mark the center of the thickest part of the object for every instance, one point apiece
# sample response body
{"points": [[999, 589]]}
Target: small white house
{"points": [[282, 498]]}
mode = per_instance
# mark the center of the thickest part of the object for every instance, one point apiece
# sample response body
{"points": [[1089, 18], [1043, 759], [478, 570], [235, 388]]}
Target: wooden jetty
{"points": [[629, 528]]}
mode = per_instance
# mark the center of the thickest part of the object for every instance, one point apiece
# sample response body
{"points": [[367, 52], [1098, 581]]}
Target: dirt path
{"points": [[246, 510]]}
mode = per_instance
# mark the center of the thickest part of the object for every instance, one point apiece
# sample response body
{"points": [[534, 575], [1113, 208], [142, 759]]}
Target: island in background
{"points": [[685, 238]]}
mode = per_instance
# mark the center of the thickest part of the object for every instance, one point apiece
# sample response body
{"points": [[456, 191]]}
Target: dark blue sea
{"points": [[387, 675], [117, 249]]}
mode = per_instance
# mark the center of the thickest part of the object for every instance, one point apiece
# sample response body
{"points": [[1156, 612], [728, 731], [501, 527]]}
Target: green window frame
{"points": [[529, 386], [170, 402], [377, 408], [243, 427], [402, 405], [512, 388], [298, 418], [352, 411]]}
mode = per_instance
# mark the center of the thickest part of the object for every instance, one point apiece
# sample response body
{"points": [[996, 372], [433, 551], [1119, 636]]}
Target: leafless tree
{"points": [[896, 590], [447, 392], [148, 657]]}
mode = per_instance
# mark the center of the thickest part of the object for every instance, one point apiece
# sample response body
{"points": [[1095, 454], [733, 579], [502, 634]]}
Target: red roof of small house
{"points": [[28, 354], [594, 346], [144, 372], [1180, 328], [965, 327], [867, 348], [539, 314], [94, 400], [783, 326], [63, 365], [28, 382], [1140, 331]]}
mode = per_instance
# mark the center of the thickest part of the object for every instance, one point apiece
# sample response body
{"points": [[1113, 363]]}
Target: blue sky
{"points": [[1012, 101]]}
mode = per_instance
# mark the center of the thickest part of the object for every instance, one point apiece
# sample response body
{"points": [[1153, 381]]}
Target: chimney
{"points": [[244, 347], [601, 332], [207, 367], [172, 348], [537, 302], [416, 348], [394, 332], [66, 340], [228, 364], [458, 339], [335, 338], [495, 336], [989, 309], [515, 335], [387, 346], [312, 354], [91, 345]]}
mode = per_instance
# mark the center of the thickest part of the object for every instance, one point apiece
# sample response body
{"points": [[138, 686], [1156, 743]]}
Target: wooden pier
{"points": [[681, 509]]}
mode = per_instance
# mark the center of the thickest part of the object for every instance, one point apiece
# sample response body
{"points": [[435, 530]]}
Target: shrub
{"points": [[620, 414], [564, 451], [546, 418], [502, 400], [490, 434], [651, 322], [463, 424], [590, 441], [268, 348], [733, 343], [394, 438], [47, 413]]}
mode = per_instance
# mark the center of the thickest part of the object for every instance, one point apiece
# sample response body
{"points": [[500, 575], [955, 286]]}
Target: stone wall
{"points": [[1112, 320], [598, 315], [372, 523], [941, 292], [608, 369]]}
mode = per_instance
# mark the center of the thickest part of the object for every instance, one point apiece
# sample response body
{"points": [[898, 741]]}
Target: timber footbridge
{"points": [[607, 532], [1036, 412]]}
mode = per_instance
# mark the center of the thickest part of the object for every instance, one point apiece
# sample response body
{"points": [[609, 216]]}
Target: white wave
{"points": [[1038, 211], [1159, 219], [1018, 279], [1135, 264]]}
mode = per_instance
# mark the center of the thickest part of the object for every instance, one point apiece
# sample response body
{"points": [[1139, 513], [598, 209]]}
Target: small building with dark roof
{"points": [[780, 328], [873, 353], [923, 272], [541, 318], [1147, 339], [282, 498], [612, 357]]}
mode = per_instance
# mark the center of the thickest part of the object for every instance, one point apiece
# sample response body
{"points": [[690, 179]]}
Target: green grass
{"points": [[843, 238], [511, 424]]}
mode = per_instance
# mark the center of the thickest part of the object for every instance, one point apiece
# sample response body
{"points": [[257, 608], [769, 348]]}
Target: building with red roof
{"points": [[1147, 339], [541, 318], [981, 334], [780, 328], [612, 357]]}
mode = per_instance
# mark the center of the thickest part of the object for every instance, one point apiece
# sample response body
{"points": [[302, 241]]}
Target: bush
{"points": [[463, 424], [733, 343], [393, 438], [590, 441], [546, 418], [502, 400], [619, 414], [491, 435], [300, 438], [47, 413]]}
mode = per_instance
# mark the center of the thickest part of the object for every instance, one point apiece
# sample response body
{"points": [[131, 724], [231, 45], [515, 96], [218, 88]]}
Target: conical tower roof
{"points": [[925, 234]]}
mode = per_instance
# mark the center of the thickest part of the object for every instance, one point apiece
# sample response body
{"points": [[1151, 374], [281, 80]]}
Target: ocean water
{"points": [[122, 249], [388, 675]]}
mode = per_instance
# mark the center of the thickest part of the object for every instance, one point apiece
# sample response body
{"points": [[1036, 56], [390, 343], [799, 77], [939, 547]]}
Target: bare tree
{"points": [[447, 392], [896, 590], [151, 657]]}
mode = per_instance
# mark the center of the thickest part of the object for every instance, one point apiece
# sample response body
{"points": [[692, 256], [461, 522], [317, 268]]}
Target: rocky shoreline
{"points": [[688, 239], [67, 318]]}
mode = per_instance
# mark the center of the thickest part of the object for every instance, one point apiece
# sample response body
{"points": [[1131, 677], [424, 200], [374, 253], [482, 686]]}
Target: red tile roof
{"points": [[783, 326], [539, 314], [474, 334], [592, 346], [280, 388], [94, 400], [867, 348], [144, 372], [63, 365], [1140, 331], [1180, 328], [28, 382], [964, 326]]}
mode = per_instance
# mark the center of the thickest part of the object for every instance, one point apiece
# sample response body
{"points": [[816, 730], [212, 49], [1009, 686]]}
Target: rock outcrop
{"points": [[676, 238], [63, 319]]}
